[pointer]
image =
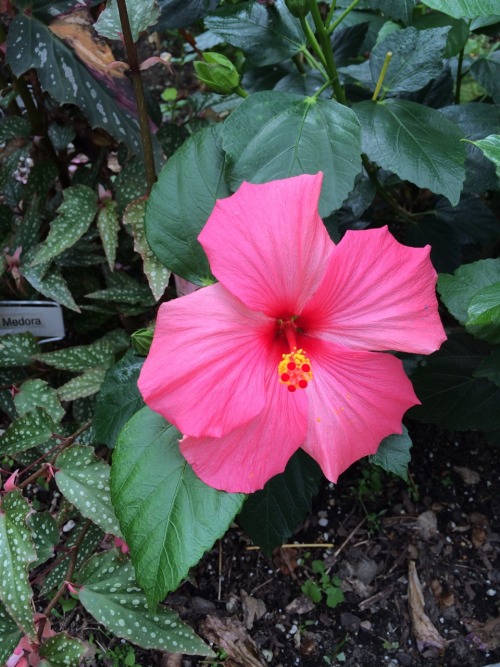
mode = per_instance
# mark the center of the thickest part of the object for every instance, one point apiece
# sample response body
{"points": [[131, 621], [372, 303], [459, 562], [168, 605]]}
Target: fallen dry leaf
{"points": [[427, 525], [424, 631], [252, 609], [467, 475], [232, 637], [487, 634]]}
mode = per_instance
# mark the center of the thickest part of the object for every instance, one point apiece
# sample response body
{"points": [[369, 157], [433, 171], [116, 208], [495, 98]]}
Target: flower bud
{"points": [[217, 72], [298, 8]]}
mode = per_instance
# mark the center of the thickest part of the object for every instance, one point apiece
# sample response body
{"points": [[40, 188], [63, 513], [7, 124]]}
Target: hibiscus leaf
{"points": [[464, 9], [393, 454], [169, 517], [490, 146], [9, 635], [275, 135], [157, 274], [16, 553], [483, 314], [181, 13], [487, 72], [61, 650], [490, 367], [267, 34], [83, 478], [416, 142], [270, 516], [118, 399], [110, 593], [181, 202], [452, 394]]}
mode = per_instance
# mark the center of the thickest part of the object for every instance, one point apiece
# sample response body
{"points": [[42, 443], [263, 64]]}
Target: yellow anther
{"points": [[294, 370]]}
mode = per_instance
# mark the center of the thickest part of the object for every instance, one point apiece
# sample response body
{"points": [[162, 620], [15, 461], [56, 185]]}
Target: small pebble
{"points": [[491, 592], [323, 522]]}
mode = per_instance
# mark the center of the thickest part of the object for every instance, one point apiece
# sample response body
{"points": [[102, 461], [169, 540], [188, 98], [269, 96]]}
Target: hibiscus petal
{"points": [[267, 244], [245, 459], [355, 400], [377, 295], [206, 370]]}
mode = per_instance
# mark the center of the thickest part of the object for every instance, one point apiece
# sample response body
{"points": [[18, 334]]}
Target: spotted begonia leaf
{"points": [[141, 15], [18, 349], [86, 384], [130, 293], [91, 540], [61, 650], [84, 479], [45, 534], [33, 429], [80, 357], [9, 635], [75, 216], [48, 282], [38, 394], [16, 553], [168, 515], [108, 226], [110, 593], [157, 274]]}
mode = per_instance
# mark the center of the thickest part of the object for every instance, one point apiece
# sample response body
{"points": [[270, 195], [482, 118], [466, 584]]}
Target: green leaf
{"points": [[457, 36], [12, 127], [416, 142], [18, 349], [9, 635], [108, 226], [157, 274], [393, 454], [334, 596], [31, 43], [141, 14], [451, 393], [84, 480], [487, 71], [118, 399], [38, 394], [490, 367], [16, 553], [130, 184], [75, 217], [483, 314], [491, 148], [61, 650], [275, 135], [109, 592], [80, 357], [126, 294], [312, 590], [84, 385], [91, 540], [169, 517], [399, 10], [417, 58], [457, 291], [181, 202], [34, 428], [50, 283], [270, 516], [464, 9], [267, 34], [45, 534]]}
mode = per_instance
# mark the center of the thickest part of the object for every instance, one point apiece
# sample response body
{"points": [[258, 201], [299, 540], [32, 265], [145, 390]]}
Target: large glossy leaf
{"points": [[491, 148], [181, 13], [109, 592], [169, 517], [487, 72], [267, 34], [181, 202], [483, 314], [393, 454], [458, 290], [84, 479], [417, 143], [31, 44], [270, 516], [9, 635], [16, 553], [399, 10], [275, 135], [118, 399], [464, 9]]}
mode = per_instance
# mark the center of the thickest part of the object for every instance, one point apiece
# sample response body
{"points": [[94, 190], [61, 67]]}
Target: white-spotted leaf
{"points": [[83, 478], [75, 216], [18, 349], [168, 515], [9, 635], [16, 553], [86, 384], [61, 650], [80, 358], [141, 15], [108, 226], [45, 534], [157, 274], [32, 429], [110, 593], [38, 394]]}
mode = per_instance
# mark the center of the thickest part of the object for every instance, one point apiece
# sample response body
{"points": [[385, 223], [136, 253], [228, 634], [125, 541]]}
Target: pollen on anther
{"points": [[295, 370]]}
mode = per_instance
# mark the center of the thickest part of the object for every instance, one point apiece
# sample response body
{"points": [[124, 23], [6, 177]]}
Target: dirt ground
{"points": [[418, 564]]}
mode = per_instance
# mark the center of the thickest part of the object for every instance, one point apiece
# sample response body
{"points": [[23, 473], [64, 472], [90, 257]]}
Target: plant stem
{"points": [[241, 92], [342, 16], [459, 75], [135, 73], [298, 60], [382, 74], [330, 13], [327, 52], [311, 38]]}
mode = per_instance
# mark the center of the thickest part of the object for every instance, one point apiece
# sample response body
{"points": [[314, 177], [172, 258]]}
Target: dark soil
{"points": [[446, 522]]}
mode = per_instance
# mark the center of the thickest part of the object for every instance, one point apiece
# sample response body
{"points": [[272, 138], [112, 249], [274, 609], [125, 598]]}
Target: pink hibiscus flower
{"points": [[286, 350]]}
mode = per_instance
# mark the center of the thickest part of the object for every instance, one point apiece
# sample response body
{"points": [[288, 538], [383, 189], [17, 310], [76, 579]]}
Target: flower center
{"points": [[294, 370]]}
